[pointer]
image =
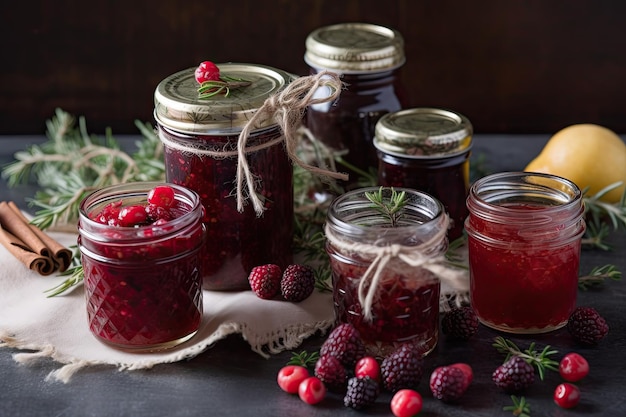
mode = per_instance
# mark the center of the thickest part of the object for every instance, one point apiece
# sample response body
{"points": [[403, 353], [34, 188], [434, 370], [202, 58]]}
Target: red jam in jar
{"points": [[427, 149], [524, 237], [200, 138], [142, 281], [369, 58], [403, 305]]}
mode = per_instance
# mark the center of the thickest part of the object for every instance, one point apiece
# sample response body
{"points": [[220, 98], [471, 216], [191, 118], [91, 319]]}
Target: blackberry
{"points": [[332, 373], [297, 283], [587, 326], [344, 343], [361, 392], [402, 368], [514, 375], [448, 383], [460, 323]]}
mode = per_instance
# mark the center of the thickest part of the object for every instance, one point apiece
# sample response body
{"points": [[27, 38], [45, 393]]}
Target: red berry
{"points": [[207, 71], [448, 383], [290, 377], [344, 343], [367, 366], [155, 213], [467, 371], [406, 403], [109, 214], [587, 326], [265, 280], [566, 395], [298, 282], [161, 196], [312, 390], [332, 373], [134, 215], [514, 375], [573, 367]]}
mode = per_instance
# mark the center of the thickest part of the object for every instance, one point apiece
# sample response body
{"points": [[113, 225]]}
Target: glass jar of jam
{"points": [[142, 284], [382, 283], [427, 149], [524, 238], [369, 58], [200, 138]]}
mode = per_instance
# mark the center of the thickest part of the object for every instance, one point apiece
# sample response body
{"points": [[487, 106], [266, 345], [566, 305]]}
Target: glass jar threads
{"points": [[427, 149], [142, 283], [369, 58], [524, 238], [382, 283], [200, 138]]}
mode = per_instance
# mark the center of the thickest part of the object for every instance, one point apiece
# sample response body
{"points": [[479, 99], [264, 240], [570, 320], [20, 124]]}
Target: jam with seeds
{"points": [[143, 283], [524, 239]]}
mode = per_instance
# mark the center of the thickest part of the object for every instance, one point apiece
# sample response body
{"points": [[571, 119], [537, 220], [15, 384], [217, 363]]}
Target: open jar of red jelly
{"points": [[427, 149], [382, 280], [369, 58], [524, 237], [200, 138], [143, 284]]}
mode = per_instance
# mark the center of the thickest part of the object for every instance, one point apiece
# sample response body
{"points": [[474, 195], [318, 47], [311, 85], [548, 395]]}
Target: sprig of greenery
{"points": [[598, 275], [541, 360], [601, 217], [520, 407], [303, 358], [391, 207], [214, 87]]}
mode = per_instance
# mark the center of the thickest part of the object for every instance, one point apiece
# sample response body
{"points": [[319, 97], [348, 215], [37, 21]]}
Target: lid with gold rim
{"points": [[354, 47], [177, 106], [423, 133]]}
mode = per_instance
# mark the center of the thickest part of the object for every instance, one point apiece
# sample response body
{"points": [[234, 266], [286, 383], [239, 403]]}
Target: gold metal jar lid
{"points": [[423, 133], [177, 106], [354, 47]]}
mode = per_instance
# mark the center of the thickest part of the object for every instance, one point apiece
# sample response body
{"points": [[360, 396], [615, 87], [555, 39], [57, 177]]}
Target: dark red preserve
{"points": [[427, 149]]}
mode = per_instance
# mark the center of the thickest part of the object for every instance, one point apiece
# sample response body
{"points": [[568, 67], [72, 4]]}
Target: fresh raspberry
{"points": [[332, 373], [344, 343], [298, 282], [265, 280], [460, 323], [361, 392], [207, 71], [514, 375], [587, 326], [448, 383], [403, 368]]}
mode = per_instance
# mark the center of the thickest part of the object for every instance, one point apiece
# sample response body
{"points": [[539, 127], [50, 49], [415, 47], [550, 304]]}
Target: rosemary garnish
{"points": [[600, 216], [214, 87], [391, 207], [304, 358], [520, 407], [540, 360], [598, 275]]}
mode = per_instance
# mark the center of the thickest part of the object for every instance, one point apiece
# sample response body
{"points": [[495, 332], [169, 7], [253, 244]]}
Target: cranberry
{"points": [[109, 214], [566, 395], [156, 213], [132, 216], [406, 403], [573, 367], [162, 196], [290, 377], [207, 71], [312, 390], [367, 366]]}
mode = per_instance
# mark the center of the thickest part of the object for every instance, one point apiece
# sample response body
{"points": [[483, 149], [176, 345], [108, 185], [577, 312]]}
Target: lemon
{"points": [[589, 155]]}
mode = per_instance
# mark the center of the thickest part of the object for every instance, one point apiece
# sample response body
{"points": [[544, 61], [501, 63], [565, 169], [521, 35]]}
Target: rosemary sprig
{"points": [[600, 216], [540, 360], [598, 275], [520, 407], [304, 358], [214, 87], [391, 207]]}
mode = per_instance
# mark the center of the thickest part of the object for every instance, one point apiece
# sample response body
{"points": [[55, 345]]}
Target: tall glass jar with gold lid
{"points": [[427, 149], [200, 138], [369, 58]]}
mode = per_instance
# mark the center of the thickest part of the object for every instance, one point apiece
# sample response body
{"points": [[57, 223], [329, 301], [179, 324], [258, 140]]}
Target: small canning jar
{"points": [[142, 284], [524, 238], [427, 149], [200, 138], [382, 281], [369, 58]]}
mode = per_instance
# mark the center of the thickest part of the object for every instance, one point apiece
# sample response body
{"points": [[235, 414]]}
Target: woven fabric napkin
{"points": [[57, 327]]}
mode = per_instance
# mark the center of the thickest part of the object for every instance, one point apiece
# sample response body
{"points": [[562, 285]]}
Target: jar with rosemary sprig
{"points": [[386, 246]]}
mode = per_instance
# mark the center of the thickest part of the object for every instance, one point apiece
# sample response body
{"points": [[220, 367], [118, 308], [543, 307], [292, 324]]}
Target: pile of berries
{"points": [[161, 207], [296, 283]]}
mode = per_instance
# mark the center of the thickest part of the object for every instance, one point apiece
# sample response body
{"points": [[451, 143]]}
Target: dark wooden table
{"points": [[230, 379]]}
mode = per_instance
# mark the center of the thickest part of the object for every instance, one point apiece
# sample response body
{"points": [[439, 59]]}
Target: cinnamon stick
{"points": [[29, 244]]}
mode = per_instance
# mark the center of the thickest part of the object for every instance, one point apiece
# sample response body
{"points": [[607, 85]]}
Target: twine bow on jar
{"points": [[287, 108]]}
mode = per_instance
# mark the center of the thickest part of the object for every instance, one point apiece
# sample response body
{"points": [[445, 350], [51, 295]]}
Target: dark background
{"points": [[510, 66]]}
